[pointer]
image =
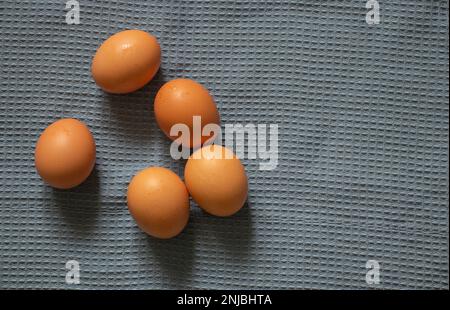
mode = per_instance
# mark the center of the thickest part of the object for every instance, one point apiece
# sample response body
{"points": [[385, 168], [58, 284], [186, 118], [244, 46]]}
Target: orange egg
{"points": [[216, 180], [65, 153], [126, 61], [159, 202], [178, 101]]}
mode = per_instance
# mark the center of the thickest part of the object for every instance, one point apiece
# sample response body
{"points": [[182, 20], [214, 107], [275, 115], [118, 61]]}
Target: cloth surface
{"points": [[363, 122]]}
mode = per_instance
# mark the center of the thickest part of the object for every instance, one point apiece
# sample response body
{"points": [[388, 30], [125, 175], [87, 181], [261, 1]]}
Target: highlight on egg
{"points": [[126, 61], [65, 153], [159, 202], [179, 102], [216, 180]]}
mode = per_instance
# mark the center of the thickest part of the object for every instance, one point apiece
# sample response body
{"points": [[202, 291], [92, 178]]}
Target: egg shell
{"points": [[65, 153], [159, 202], [126, 61], [178, 101], [216, 180]]}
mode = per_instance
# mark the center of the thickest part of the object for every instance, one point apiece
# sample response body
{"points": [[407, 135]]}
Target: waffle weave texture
{"points": [[363, 120]]}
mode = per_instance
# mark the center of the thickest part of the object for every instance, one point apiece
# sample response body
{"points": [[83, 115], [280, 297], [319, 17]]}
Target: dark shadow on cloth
{"points": [[175, 256], [79, 206], [236, 232], [132, 113]]}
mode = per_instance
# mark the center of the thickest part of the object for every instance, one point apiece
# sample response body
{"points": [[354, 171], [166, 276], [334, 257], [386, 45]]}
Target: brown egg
{"points": [[126, 61], [159, 202], [178, 101], [216, 180], [65, 153]]}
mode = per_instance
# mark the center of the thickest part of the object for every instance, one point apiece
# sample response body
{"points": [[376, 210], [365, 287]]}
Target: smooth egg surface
{"points": [[159, 202], [126, 61], [65, 153], [177, 102], [216, 180]]}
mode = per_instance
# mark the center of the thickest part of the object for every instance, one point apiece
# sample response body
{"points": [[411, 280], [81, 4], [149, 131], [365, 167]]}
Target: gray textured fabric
{"points": [[363, 120]]}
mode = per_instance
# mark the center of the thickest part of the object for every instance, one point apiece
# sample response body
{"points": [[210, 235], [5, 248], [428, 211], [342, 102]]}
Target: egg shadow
{"points": [[79, 207], [175, 256], [234, 233], [132, 114]]}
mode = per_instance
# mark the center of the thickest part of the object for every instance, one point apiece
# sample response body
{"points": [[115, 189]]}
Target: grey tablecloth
{"points": [[363, 129]]}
